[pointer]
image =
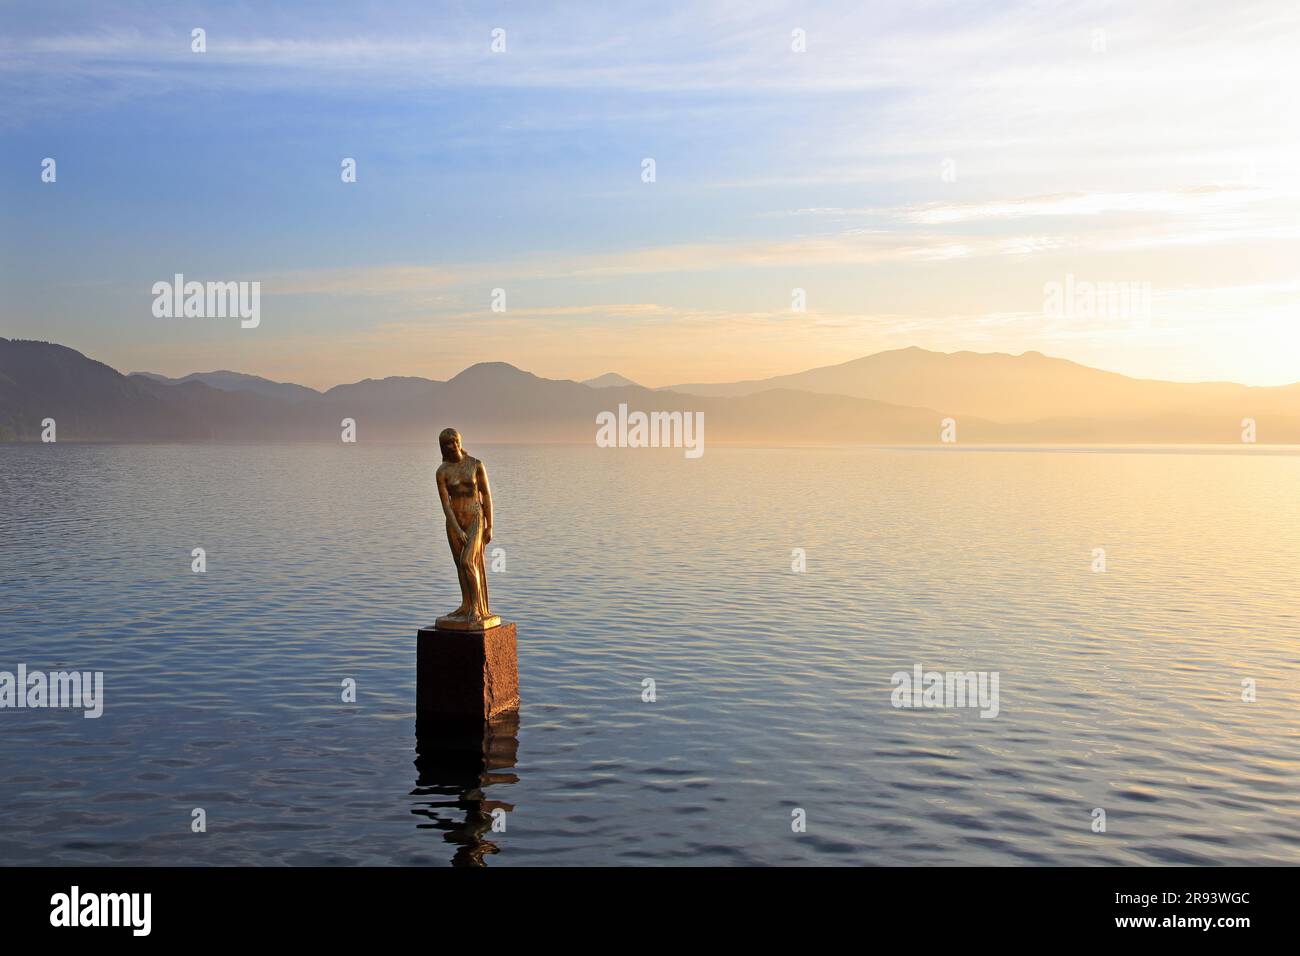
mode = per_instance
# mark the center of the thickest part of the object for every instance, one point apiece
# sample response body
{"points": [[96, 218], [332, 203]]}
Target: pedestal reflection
{"points": [[457, 762]]}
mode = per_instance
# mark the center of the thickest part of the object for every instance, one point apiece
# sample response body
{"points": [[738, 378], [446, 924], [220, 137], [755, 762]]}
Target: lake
{"points": [[1119, 690]]}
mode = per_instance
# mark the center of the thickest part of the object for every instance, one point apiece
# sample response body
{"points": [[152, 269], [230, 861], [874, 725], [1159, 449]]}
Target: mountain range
{"points": [[895, 397], [1022, 388]]}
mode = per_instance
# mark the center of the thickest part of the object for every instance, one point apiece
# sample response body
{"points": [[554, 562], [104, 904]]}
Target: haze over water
{"points": [[1120, 690]]}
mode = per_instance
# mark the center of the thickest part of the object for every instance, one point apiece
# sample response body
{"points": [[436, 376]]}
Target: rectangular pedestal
{"points": [[467, 673]]}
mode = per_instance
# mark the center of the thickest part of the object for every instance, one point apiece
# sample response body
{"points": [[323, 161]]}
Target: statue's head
{"points": [[449, 441]]}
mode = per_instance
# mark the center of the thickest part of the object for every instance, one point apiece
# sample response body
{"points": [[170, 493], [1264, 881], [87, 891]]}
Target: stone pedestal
{"points": [[467, 673]]}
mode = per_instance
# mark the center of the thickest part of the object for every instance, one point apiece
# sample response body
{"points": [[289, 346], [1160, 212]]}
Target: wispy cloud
{"points": [[930, 166]]}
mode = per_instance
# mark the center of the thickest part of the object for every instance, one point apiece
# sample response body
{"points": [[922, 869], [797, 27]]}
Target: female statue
{"points": [[467, 503]]}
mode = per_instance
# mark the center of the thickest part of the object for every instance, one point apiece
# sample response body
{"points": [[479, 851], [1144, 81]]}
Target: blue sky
{"points": [[922, 171]]}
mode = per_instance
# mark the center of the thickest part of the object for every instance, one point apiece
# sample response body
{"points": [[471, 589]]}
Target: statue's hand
{"points": [[487, 535], [462, 537]]}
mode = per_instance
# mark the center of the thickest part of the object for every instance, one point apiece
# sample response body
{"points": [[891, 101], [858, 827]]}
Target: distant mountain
{"points": [[491, 401], [609, 380], [91, 402], [41, 380], [1027, 388], [239, 382], [494, 401]]}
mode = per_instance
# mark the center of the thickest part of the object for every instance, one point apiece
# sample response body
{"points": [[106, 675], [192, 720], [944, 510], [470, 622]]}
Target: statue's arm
{"points": [[486, 491], [446, 504]]}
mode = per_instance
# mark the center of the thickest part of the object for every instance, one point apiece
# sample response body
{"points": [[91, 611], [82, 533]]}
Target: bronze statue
{"points": [[467, 503]]}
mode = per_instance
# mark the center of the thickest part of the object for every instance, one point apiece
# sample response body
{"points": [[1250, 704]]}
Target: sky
{"points": [[927, 174]]}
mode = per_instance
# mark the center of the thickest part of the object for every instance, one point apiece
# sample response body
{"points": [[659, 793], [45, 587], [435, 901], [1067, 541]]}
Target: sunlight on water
{"points": [[1119, 690]]}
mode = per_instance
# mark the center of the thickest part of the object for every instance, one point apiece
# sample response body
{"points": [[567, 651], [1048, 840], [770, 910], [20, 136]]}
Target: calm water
{"points": [[1119, 690]]}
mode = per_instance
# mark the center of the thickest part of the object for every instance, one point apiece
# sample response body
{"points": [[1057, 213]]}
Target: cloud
{"points": [[1178, 201], [1064, 154]]}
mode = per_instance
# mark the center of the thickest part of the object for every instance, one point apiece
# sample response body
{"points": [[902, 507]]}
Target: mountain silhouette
{"points": [[239, 382], [1026, 388], [898, 397], [608, 380]]}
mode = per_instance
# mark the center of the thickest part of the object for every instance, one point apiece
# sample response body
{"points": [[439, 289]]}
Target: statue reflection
{"points": [[456, 761]]}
